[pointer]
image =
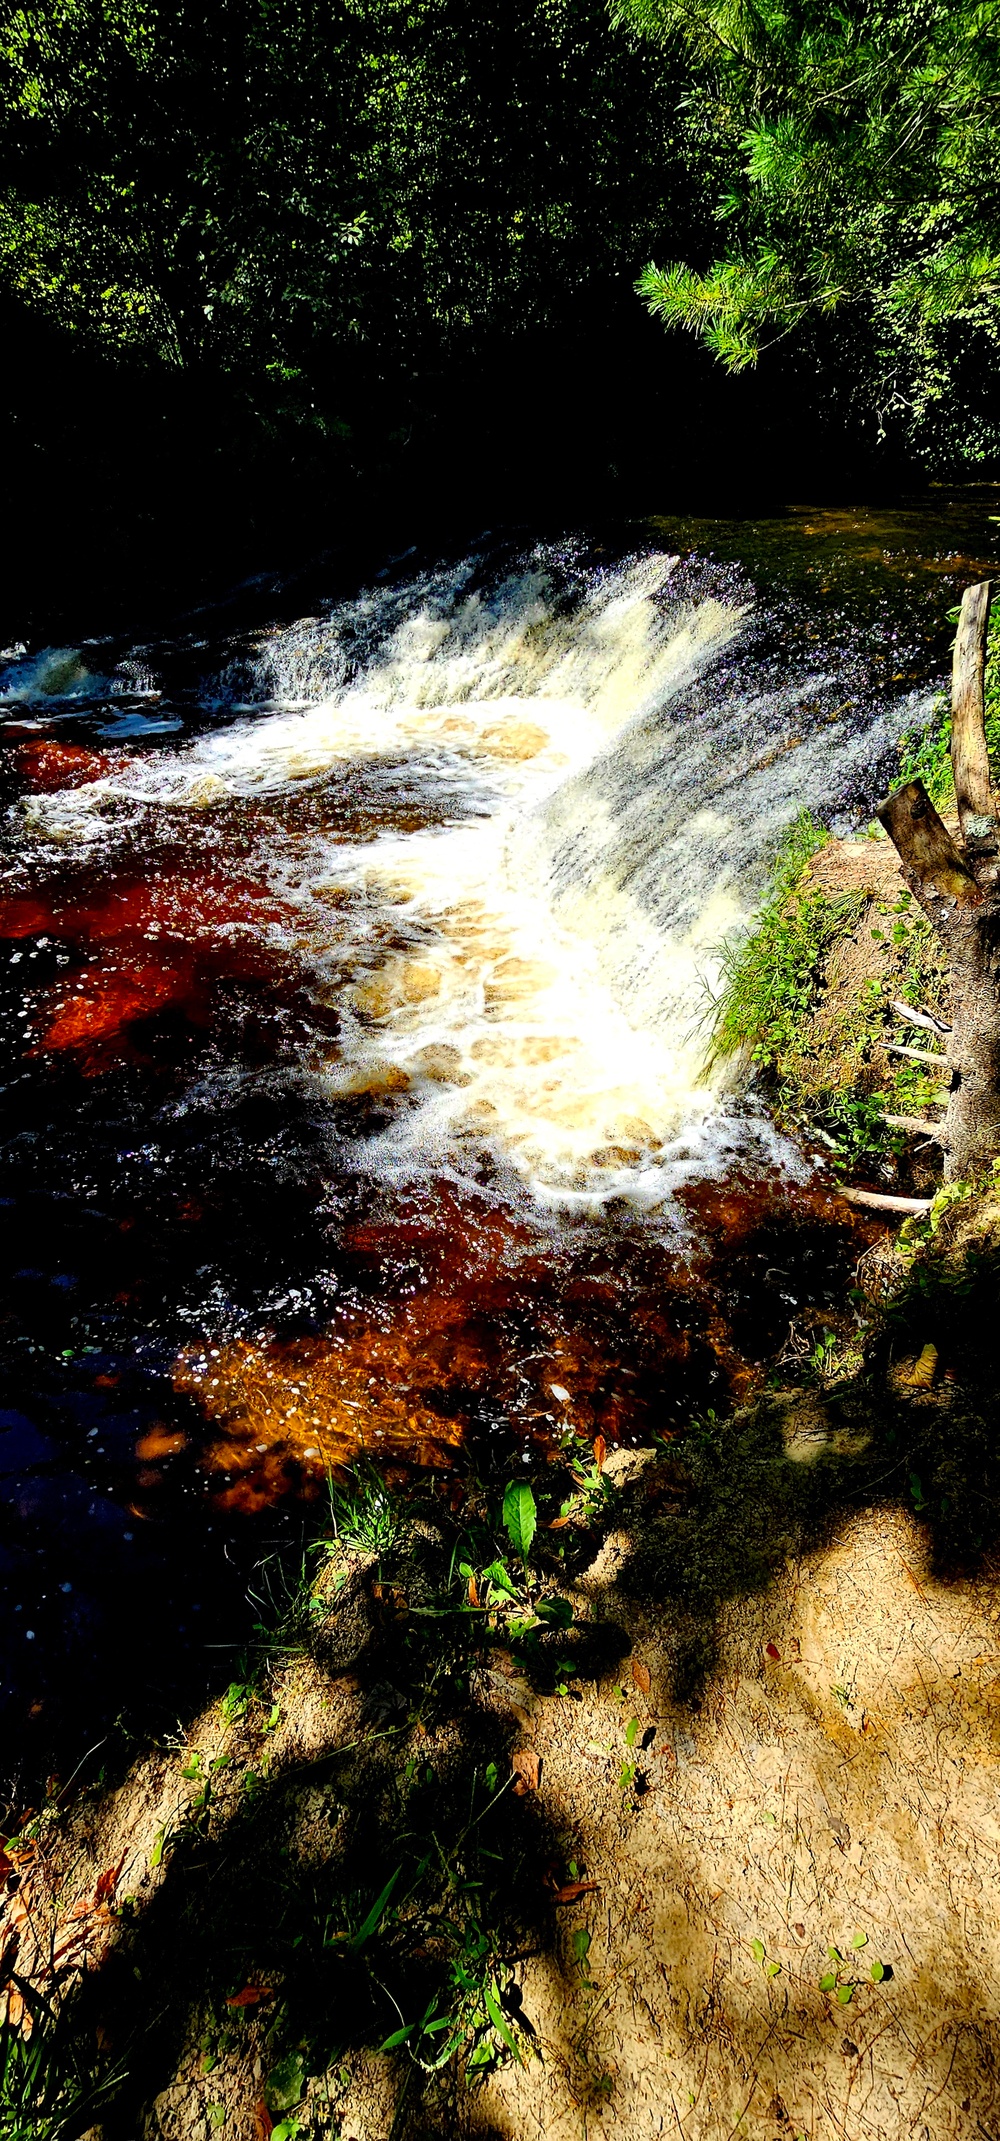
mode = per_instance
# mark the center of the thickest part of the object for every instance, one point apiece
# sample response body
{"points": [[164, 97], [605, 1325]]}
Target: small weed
{"points": [[363, 1510]]}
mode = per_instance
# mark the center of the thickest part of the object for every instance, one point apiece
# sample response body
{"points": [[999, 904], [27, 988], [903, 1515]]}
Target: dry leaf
{"points": [[250, 1996], [556, 1523], [572, 1889], [527, 1768], [264, 2121], [108, 1882], [771, 1651], [473, 1591], [600, 1451], [800, 1930], [919, 1374], [641, 1676]]}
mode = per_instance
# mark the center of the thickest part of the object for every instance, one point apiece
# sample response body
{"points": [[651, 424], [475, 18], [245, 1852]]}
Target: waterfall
{"points": [[507, 823]]}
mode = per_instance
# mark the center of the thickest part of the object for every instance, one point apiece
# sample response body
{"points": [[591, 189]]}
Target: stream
{"points": [[356, 969]]}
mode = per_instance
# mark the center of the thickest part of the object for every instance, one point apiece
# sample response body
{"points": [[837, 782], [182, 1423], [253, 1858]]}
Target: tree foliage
{"points": [[856, 155], [306, 194]]}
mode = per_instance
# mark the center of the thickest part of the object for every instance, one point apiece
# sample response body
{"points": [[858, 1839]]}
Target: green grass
{"points": [[47, 2089], [821, 1058], [771, 978]]}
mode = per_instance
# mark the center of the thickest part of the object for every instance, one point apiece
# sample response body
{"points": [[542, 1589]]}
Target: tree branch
{"points": [[926, 847]]}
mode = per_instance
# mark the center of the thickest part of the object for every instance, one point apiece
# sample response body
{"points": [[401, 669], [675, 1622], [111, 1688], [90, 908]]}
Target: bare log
{"points": [[925, 846], [970, 765], [879, 1203], [911, 1016]]}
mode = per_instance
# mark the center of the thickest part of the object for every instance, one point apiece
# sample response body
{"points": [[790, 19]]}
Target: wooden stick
{"points": [[925, 845], [886, 1204], [970, 765], [913, 1122], [927, 1019], [916, 1055]]}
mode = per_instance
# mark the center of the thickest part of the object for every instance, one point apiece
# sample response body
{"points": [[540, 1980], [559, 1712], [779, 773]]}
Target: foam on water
{"points": [[531, 974]]}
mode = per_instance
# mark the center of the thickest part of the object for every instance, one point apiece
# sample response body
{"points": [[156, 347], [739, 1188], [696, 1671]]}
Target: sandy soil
{"points": [[834, 1786]]}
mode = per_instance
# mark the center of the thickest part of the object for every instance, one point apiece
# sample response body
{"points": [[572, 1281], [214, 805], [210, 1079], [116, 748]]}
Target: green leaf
{"points": [[215, 2114], [878, 1972], [519, 1516], [400, 2036], [498, 2019], [860, 1940], [757, 1950], [828, 1983], [845, 1994], [367, 1928], [631, 1732], [771, 1969], [284, 2085]]}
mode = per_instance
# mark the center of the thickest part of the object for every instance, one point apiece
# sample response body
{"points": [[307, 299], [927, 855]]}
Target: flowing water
{"points": [[355, 976]]}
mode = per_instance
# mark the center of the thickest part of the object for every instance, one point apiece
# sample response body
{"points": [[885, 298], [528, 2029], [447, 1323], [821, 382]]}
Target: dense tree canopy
{"points": [[301, 191], [856, 155]]}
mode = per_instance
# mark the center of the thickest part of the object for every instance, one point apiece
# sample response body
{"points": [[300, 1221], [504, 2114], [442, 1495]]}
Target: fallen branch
{"points": [[916, 1055], [879, 1203], [912, 1016]]}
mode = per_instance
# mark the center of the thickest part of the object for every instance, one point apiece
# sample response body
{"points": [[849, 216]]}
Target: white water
{"points": [[528, 971]]}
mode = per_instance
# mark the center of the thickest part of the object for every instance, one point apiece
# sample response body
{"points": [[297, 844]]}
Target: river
{"points": [[355, 978]]}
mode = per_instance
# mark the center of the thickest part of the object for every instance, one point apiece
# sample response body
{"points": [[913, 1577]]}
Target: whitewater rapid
{"points": [[574, 798]]}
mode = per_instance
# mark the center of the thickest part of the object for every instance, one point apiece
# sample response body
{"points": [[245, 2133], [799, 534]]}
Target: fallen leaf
{"points": [[800, 1930], [572, 1889], [919, 1374], [600, 1451], [250, 1996], [527, 1768], [265, 2123], [108, 1882], [473, 1591], [641, 1676], [555, 1524], [772, 1651]]}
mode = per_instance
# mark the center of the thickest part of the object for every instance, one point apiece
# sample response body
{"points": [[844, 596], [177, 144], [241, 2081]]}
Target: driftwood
{"points": [[958, 889]]}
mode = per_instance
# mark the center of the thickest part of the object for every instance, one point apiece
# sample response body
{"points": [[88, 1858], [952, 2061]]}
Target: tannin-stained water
{"points": [[356, 976]]}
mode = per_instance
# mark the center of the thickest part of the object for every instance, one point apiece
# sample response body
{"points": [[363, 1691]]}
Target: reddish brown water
{"points": [[328, 1127]]}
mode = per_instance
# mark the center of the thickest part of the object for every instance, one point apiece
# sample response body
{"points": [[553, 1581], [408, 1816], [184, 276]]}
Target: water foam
{"points": [[527, 975]]}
